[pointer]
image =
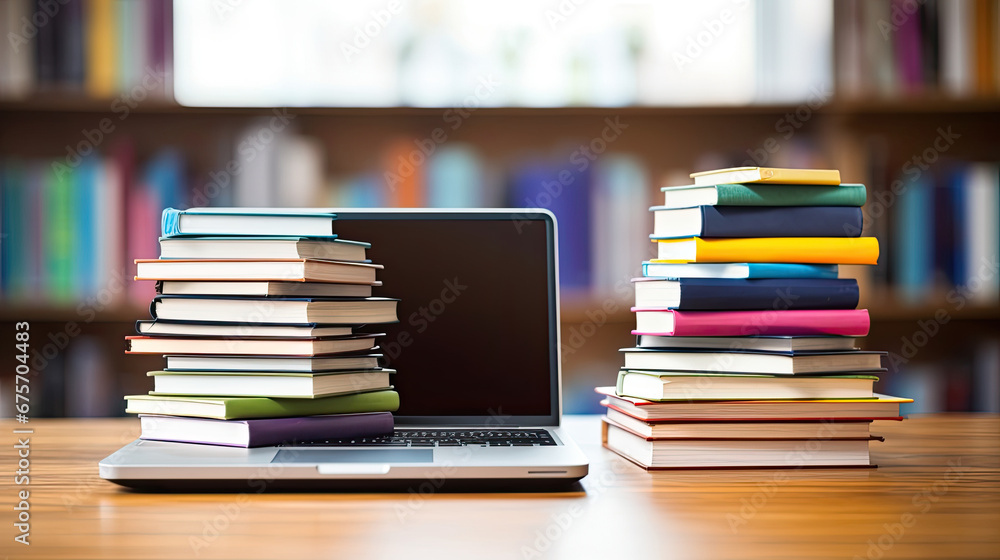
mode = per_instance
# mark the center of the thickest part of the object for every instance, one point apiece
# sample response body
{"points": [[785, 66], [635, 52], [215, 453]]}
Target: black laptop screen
{"points": [[474, 338]]}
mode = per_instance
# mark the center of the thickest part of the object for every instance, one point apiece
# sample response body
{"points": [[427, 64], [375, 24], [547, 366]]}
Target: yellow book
{"points": [[102, 57], [774, 175], [810, 250]]}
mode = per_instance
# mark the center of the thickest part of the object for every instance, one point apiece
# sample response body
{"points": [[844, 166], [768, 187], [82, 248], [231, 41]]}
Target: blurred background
{"points": [[111, 110]]}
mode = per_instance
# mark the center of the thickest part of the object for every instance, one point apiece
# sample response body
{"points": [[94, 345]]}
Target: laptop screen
{"points": [[476, 338]]}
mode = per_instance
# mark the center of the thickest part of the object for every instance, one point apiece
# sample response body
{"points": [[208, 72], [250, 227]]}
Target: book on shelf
{"points": [[738, 361], [803, 250], [660, 269], [730, 429], [264, 431], [756, 221], [719, 294], [263, 289], [653, 453], [692, 386], [776, 175], [290, 364], [750, 343], [791, 322], [328, 311], [729, 194], [237, 408], [276, 270], [252, 222], [878, 407], [250, 346], [269, 384], [220, 248]]}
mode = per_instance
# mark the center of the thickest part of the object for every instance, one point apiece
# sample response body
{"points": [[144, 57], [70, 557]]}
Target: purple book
{"points": [[265, 431]]}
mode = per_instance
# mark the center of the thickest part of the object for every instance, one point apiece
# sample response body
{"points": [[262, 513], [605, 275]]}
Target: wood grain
{"points": [[935, 495]]}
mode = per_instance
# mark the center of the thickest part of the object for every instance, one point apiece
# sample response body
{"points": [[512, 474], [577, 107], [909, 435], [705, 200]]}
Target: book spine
{"points": [[771, 323], [807, 250], [792, 270], [273, 432], [770, 221], [715, 294], [170, 222], [791, 195]]}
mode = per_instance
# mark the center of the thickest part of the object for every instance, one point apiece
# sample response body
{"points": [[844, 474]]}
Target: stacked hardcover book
{"points": [[260, 314], [745, 352]]}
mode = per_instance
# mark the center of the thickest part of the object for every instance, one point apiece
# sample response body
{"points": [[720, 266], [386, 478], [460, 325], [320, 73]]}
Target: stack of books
{"points": [[258, 314], [746, 352]]}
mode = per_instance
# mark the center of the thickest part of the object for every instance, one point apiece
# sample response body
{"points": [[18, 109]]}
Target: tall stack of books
{"points": [[746, 336], [259, 315]]}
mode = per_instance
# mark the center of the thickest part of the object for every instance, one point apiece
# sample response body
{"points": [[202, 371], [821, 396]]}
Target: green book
{"points": [[847, 194], [657, 386], [233, 408], [60, 225]]}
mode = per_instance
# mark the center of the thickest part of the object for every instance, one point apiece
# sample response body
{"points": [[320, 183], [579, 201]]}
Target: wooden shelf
{"points": [[51, 313], [909, 105]]}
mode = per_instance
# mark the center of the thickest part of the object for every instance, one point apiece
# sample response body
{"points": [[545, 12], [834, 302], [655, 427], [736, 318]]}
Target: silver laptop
{"points": [[477, 351]]}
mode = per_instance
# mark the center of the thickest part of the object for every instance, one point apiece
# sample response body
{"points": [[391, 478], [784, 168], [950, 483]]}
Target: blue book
{"points": [[735, 294], [653, 269], [257, 222], [757, 221], [913, 232], [85, 193], [566, 192]]}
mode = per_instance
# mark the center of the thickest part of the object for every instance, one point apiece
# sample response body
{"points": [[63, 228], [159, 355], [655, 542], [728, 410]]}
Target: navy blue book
{"points": [[738, 294], [756, 221]]}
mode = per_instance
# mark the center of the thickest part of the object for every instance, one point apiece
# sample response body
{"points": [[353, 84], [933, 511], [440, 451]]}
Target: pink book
{"points": [[794, 322]]}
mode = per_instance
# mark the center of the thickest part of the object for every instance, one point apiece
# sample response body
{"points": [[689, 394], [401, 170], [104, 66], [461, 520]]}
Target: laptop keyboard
{"points": [[441, 438]]}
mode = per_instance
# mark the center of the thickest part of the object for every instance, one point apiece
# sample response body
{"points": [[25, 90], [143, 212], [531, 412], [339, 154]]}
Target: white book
{"points": [[752, 362], [666, 453], [264, 289], [169, 328], [287, 270], [244, 346], [265, 311], [272, 385], [224, 248], [740, 430], [751, 343], [273, 363], [660, 386]]}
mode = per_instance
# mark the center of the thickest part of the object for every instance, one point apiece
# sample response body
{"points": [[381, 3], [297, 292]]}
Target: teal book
{"points": [[254, 222], [847, 194]]}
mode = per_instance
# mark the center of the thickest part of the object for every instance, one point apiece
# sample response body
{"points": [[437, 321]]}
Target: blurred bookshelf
{"points": [[88, 199]]}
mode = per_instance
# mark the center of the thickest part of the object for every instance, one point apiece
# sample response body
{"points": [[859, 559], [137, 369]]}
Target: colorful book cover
{"points": [[795, 322]]}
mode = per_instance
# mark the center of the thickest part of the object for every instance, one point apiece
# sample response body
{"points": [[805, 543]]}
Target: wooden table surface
{"points": [[935, 495]]}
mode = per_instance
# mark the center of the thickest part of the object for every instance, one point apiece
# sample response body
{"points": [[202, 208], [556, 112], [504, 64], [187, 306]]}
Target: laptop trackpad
{"points": [[354, 456]]}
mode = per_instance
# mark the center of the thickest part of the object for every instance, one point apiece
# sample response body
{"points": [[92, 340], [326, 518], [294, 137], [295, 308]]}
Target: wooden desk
{"points": [[936, 495]]}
